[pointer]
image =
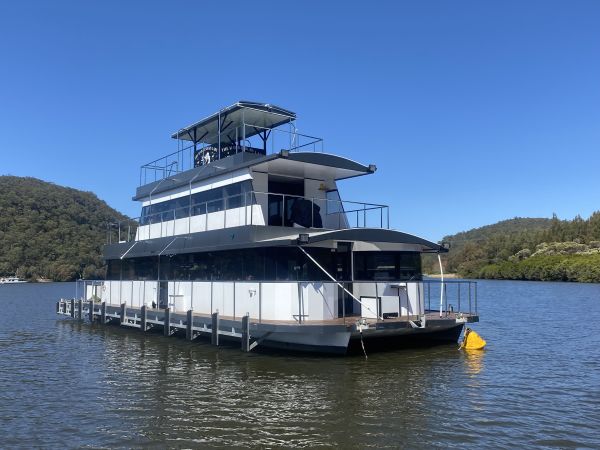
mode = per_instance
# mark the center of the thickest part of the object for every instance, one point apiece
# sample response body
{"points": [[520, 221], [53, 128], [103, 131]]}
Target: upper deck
{"points": [[251, 128], [234, 170]]}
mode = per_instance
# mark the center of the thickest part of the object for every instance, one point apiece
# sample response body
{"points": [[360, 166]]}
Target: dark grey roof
{"points": [[377, 235], [243, 160], [214, 240], [252, 236], [261, 115]]}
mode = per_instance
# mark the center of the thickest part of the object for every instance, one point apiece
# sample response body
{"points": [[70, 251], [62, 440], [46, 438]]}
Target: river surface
{"points": [[68, 384]]}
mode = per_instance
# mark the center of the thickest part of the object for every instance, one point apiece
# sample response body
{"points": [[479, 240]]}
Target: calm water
{"points": [[65, 384]]}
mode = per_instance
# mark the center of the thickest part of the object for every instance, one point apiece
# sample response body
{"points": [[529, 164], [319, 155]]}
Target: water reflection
{"points": [[169, 387], [79, 385], [474, 360]]}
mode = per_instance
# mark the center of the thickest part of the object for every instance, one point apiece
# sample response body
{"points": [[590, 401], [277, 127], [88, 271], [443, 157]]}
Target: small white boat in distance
{"points": [[11, 280]]}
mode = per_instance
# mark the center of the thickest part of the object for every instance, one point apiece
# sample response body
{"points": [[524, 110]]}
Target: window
{"points": [[334, 202], [214, 200], [387, 266], [281, 263]]}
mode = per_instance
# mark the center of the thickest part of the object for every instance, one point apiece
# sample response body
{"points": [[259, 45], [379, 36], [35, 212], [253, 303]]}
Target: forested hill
{"points": [[50, 231], [516, 226], [528, 249]]}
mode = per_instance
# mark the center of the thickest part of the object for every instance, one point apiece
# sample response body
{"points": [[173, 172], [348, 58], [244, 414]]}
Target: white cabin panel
{"points": [[202, 297], [319, 300], [369, 307], [235, 217], [155, 230], [180, 295], [168, 228], [113, 293], [149, 293], [222, 298], [137, 293], [417, 300], [258, 216], [246, 299], [276, 300], [216, 220], [260, 184], [125, 292], [142, 233], [182, 226], [406, 298], [198, 223]]}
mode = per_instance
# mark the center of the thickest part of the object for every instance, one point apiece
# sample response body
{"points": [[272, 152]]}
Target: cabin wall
{"points": [[266, 301], [399, 298], [229, 218], [331, 211], [260, 183], [133, 293]]}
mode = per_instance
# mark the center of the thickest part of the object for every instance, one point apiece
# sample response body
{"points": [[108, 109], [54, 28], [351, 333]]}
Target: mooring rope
{"points": [[363, 345]]}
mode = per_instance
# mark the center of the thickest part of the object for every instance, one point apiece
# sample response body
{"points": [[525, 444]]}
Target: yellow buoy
{"points": [[472, 341]]}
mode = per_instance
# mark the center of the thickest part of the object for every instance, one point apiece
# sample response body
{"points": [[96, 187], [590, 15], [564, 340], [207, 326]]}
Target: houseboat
{"points": [[244, 236], [12, 280]]}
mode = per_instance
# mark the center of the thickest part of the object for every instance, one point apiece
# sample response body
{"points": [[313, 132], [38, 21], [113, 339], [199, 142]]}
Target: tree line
{"points": [[527, 249], [52, 232]]}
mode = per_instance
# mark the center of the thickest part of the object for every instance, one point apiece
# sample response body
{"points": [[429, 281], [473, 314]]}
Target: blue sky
{"points": [[473, 112]]}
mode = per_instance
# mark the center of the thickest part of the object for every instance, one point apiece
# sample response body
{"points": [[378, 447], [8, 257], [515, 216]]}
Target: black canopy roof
{"points": [[256, 116], [252, 236]]}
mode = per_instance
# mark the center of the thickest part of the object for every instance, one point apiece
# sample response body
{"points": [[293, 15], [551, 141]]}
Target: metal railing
{"points": [[191, 156], [308, 212], [414, 298], [458, 295]]}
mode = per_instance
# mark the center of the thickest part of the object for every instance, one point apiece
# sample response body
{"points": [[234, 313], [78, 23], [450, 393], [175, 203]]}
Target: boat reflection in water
{"points": [[196, 393]]}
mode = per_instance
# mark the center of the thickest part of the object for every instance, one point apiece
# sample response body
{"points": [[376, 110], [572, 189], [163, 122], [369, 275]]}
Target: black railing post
{"points": [[144, 318], [429, 296], [418, 297], [469, 297], [446, 298], [344, 303], [167, 322]]}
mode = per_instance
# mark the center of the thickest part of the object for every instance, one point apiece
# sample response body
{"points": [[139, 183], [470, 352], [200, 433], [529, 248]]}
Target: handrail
{"points": [[249, 200], [184, 157], [418, 306]]}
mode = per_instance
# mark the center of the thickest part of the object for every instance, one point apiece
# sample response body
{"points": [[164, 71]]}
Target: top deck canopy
{"points": [[232, 119]]}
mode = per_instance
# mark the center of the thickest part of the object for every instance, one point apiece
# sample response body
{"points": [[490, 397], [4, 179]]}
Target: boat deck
{"points": [[351, 320], [251, 331]]}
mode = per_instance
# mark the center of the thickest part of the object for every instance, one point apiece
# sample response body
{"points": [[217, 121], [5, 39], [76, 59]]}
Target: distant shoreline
{"points": [[446, 275]]}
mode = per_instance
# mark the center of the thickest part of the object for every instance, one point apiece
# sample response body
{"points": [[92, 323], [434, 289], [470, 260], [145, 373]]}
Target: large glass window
{"points": [[387, 266], [214, 200], [268, 264], [281, 264]]}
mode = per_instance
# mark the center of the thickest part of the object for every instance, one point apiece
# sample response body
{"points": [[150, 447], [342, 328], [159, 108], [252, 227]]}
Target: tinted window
{"points": [[226, 197], [387, 266], [285, 263]]}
